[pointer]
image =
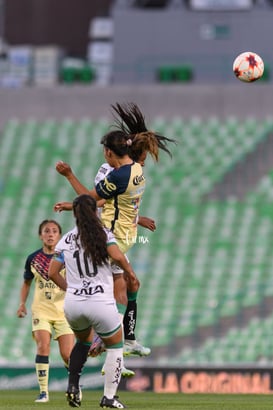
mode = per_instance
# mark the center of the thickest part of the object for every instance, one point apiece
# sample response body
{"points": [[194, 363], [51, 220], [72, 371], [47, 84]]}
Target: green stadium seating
{"points": [[208, 262]]}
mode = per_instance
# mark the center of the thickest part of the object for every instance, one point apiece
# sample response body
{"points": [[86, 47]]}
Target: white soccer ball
{"points": [[248, 66]]}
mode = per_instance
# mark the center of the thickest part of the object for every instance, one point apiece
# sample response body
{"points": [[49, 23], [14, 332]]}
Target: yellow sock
{"points": [[42, 370]]}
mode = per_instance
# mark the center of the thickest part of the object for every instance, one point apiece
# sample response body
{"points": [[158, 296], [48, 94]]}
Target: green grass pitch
{"points": [[24, 399]]}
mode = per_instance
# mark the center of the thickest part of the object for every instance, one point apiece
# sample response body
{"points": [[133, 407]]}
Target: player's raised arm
{"points": [[64, 169], [62, 206]]}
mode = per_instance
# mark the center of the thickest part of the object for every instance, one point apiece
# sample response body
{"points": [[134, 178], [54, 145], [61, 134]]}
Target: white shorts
{"points": [[116, 269], [82, 313]]}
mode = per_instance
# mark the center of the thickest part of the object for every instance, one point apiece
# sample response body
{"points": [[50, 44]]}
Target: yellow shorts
{"points": [[56, 328]]}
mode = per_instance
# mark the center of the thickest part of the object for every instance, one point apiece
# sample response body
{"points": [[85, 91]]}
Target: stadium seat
{"points": [[207, 265]]}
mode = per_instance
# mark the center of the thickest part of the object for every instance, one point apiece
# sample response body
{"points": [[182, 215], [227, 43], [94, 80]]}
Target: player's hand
{"points": [[63, 168], [22, 311], [97, 347], [147, 223], [62, 206]]}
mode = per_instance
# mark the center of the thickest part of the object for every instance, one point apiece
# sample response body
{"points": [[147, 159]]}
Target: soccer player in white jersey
{"points": [[122, 190], [89, 301]]}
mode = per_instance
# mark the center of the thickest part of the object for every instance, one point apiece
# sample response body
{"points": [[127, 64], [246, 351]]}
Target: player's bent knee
{"points": [[115, 339]]}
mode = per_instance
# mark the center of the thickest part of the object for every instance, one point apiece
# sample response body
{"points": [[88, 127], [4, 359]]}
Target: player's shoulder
{"points": [[123, 171], [105, 167], [104, 170], [33, 254], [68, 237], [128, 172], [110, 236]]}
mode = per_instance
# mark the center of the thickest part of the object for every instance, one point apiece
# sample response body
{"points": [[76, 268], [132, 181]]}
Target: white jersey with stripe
{"points": [[84, 280], [104, 170]]}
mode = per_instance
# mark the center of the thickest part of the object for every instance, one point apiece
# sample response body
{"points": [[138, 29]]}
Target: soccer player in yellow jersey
{"points": [[122, 190], [48, 317]]}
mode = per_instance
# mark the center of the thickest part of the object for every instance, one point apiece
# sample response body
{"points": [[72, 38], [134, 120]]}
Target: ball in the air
{"points": [[248, 66]]}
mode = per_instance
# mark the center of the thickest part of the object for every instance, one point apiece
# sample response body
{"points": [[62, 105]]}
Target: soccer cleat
{"points": [[42, 398], [74, 396], [127, 372], [111, 403], [133, 348], [80, 393], [124, 372]]}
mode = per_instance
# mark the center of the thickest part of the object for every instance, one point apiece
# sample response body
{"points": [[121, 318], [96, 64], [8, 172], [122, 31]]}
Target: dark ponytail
{"points": [[132, 136], [91, 234]]}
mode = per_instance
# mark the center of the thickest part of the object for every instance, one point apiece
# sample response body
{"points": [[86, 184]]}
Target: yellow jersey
{"points": [[48, 298], [122, 189]]}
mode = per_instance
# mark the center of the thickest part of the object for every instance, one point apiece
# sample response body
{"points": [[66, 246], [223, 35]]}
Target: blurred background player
{"points": [[89, 300], [47, 307]]}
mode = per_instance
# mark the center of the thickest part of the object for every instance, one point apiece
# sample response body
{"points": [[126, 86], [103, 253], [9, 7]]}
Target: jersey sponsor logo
{"points": [[117, 371], [138, 179], [70, 238], [132, 322], [49, 285], [109, 186], [103, 170], [89, 291]]}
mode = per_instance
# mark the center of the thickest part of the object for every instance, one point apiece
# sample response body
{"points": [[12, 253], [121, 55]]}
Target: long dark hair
{"points": [[91, 234], [132, 136]]}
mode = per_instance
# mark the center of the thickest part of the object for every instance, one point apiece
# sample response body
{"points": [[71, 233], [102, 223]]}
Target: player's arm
{"points": [[63, 206], [147, 223], [100, 203], [64, 169], [115, 253], [55, 267], [68, 206], [22, 310]]}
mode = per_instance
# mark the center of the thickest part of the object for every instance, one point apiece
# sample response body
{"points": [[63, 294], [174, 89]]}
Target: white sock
{"points": [[112, 367]]}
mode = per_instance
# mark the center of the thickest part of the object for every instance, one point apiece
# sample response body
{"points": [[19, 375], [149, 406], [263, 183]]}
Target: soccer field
{"points": [[18, 399]]}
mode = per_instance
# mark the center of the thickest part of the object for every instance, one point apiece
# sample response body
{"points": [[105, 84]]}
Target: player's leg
{"points": [[66, 339], [42, 338], [77, 360], [131, 346], [112, 367], [120, 286], [77, 320]]}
